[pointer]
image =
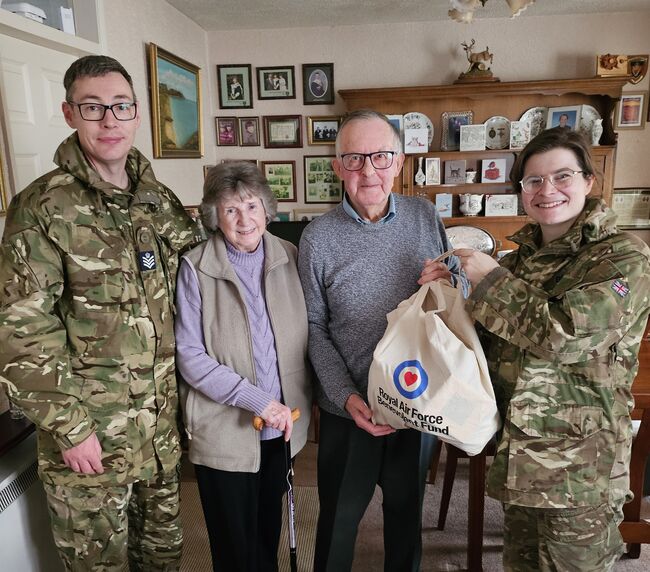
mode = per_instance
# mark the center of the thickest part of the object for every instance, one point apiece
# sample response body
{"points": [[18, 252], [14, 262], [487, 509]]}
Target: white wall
{"points": [[130, 26], [429, 53]]}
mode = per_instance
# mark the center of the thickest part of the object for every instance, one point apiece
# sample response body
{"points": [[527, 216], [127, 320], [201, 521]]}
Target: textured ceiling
{"points": [[259, 14]]}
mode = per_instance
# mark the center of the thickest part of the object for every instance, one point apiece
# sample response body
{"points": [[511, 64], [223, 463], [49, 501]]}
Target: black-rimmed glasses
{"points": [[561, 180], [123, 111], [378, 159]]}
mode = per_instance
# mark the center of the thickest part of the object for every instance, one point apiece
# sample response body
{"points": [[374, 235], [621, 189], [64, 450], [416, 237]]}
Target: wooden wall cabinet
{"points": [[508, 99]]}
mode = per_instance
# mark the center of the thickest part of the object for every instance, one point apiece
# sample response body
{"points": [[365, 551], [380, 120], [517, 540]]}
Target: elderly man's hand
{"points": [[434, 271], [278, 416], [362, 416], [86, 457]]}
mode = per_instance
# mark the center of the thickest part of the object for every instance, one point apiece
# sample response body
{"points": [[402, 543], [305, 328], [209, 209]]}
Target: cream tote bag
{"points": [[429, 371]]}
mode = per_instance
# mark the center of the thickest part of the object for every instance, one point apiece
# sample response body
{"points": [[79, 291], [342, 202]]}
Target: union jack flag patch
{"points": [[620, 288], [147, 260]]}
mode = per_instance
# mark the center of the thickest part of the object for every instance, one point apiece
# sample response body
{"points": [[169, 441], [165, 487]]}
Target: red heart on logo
{"points": [[410, 378]]}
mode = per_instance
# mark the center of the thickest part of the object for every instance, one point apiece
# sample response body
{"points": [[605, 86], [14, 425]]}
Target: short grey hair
{"points": [[367, 115], [234, 179]]}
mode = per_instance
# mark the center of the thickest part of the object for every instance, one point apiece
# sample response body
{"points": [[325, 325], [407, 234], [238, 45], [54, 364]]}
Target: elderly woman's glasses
{"points": [[378, 159], [561, 180]]}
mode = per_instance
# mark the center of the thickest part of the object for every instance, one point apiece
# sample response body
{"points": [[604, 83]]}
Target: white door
{"points": [[32, 84]]}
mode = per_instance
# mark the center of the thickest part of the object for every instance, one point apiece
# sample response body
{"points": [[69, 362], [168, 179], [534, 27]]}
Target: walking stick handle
{"points": [[258, 422]]}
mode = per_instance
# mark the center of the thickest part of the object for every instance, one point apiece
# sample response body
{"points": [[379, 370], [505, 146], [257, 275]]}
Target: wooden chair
{"points": [[476, 496]]}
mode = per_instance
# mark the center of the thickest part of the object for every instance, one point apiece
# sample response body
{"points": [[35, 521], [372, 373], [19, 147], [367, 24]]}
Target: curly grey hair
{"points": [[234, 179]]}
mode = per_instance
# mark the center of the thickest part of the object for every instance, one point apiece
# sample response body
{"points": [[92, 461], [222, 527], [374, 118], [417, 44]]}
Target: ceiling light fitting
{"points": [[463, 10]]}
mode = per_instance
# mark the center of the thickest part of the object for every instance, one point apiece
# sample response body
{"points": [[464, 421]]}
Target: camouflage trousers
{"points": [[561, 540], [101, 528]]}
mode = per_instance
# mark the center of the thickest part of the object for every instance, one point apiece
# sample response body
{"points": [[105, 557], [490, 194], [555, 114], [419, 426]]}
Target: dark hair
{"points": [[558, 137], [93, 66], [366, 115], [234, 178]]}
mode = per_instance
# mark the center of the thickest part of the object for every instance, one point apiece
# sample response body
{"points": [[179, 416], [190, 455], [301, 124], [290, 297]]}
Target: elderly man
{"points": [[357, 263], [87, 274]]}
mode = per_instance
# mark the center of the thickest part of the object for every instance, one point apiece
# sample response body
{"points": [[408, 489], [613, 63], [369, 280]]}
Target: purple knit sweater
{"points": [[219, 382]]}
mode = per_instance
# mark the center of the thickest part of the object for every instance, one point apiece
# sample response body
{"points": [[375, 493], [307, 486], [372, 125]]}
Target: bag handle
{"points": [[434, 288], [444, 255]]}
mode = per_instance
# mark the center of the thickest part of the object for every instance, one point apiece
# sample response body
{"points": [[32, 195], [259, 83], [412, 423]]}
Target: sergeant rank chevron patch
{"points": [[147, 260]]}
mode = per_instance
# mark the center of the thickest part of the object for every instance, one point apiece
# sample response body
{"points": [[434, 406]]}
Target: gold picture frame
{"points": [[176, 106]]}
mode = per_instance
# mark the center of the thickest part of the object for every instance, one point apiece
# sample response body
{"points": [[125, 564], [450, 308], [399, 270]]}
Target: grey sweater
{"points": [[352, 275]]}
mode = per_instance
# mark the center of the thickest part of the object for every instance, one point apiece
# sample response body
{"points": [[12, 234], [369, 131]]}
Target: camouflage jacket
{"points": [[562, 326], [87, 278]]}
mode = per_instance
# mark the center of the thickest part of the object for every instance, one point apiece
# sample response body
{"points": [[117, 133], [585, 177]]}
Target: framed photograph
{"points": [[226, 130], [281, 216], [321, 182], [253, 161], [397, 121], [472, 137], [632, 207], [455, 172], [323, 130], [432, 171], [416, 141], [249, 131], [611, 65], [493, 171], [501, 205], [631, 110], [563, 117], [276, 82], [175, 87], [307, 214], [451, 124], [235, 86], [282, 131], [281, 176], [317, 84]]}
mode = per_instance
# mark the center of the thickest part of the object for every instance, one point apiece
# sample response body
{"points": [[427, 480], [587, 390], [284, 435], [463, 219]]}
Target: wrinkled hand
{"points": [[278, 416], [477, 265], [362, 416], [86, 457], [434, 271]]}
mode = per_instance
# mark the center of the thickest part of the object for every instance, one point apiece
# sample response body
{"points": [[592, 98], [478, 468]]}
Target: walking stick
{"points": [[258, 423]]}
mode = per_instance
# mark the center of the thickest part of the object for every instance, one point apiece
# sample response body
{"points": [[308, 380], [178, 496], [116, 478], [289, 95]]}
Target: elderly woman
{"points": [[241, 334]]}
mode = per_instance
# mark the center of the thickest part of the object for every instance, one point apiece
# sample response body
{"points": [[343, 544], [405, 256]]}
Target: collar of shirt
{"points": [[349, 210]]}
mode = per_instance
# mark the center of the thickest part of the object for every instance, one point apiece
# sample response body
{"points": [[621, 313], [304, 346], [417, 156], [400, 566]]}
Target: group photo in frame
{"points": [[631, 110], [322, 184], [281, 177], [323, 130], [567, 116], [249, 131], [307, 215], [317, 84], [235, 86], [226, 128], [452, 121], [277, 82], [175, 87], [282, 131]]}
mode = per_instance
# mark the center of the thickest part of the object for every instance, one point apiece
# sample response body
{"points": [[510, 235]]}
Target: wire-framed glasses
{"points": [[123, 111], [561, 180], [378, 159]]}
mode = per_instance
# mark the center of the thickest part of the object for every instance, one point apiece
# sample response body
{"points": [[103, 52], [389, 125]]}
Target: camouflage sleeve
{"points": [[587, 319], [34, 363]]}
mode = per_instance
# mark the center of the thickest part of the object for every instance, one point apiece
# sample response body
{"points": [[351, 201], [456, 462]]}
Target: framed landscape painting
{"points": [[175, 87]]}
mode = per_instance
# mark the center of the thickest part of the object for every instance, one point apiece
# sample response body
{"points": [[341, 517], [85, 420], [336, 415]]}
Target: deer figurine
{"points": [[477, 60]]}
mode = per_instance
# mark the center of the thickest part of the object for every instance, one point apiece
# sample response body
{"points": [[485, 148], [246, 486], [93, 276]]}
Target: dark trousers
{"points": [[243, 512], [351, 462]]}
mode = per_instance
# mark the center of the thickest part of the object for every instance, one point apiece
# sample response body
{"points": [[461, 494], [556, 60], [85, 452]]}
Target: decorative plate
{"points": [[465, 236], [588, 115], [497, 132], [417, 120], [536, 116]]}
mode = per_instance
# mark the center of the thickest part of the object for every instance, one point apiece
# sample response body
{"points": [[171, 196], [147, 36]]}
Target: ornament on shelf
{"points": [[420, 177]]}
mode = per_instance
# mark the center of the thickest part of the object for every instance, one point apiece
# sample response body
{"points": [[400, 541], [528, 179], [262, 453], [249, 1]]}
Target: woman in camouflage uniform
{"points": [[562, 319]]}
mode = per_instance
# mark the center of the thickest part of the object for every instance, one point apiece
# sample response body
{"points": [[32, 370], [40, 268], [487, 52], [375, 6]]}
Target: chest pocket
{"points": [[93, 265]]}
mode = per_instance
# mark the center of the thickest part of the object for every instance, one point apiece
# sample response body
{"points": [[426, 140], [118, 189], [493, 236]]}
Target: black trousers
{"points": [[351, 462], [243, 512]]}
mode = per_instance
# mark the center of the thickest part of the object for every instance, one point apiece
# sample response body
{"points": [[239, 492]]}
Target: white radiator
{"points": [[26, 543]]}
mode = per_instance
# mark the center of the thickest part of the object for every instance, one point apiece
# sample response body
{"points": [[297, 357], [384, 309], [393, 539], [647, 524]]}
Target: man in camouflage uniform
{"points": [[562, 318], [87, 274]]}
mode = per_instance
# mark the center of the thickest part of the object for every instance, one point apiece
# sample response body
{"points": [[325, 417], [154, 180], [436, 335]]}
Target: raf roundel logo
{"points": [[410, 379]]}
